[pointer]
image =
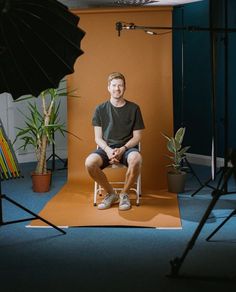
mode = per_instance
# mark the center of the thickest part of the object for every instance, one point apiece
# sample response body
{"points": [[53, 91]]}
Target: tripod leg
{"points": [[32, 213], [223, 223], [54, 156], [205, 184], [177, 262], [202, 186], [66, 163], [192, 170], [58, 157]]}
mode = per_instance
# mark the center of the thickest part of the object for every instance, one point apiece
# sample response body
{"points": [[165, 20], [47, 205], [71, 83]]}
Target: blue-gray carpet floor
{"points": [[115, 258]]}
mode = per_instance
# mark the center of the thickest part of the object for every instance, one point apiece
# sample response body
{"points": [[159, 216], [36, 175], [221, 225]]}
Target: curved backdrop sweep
{"points": [[146, 61]]}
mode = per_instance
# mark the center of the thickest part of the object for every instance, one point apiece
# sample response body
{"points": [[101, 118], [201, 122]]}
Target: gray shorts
{"points": [[123, 159]]}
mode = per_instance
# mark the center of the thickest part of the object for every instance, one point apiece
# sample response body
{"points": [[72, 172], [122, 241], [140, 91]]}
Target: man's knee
{"points": [[134, 164], [87, 162], [135, 160], [92, 161]]}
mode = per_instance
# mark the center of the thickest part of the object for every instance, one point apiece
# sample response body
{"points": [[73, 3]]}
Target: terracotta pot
{"points": [[176, 182], [41, 182]]}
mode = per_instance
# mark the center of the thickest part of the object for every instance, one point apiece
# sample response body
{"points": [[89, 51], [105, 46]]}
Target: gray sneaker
{"points": [[108, 201], [124, 202]]}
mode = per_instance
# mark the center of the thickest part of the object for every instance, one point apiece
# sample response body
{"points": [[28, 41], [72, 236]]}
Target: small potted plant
{"points": [[38, 131], [176, 175]]}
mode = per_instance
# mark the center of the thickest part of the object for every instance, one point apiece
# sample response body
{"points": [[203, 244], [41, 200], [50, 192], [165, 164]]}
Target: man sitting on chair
{"points": [[118, 124]]}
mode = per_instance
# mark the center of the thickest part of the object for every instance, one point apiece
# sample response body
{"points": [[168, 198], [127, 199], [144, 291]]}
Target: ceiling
{"points": [[76, 4]]}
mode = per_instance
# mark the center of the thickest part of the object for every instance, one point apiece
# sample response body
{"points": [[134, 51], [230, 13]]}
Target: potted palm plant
{"points": [[176, 174], [38, 131]]}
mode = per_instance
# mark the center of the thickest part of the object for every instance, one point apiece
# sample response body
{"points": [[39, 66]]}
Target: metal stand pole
{"points": [[177, 262], [54, 156], [193, 172], [226, 115], [221, 225], [36, 216]]}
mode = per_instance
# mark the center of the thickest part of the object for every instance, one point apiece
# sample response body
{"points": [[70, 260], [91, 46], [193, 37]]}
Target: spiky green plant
{"points": [[174, 145], [41, 125]]}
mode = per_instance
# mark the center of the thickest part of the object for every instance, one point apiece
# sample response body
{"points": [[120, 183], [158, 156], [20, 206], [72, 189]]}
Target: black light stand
{"points": [[213, 110], [221, 225], [36, 216], [233, 162], [53, 156], [189, 166], [185, 161], [226, 171], [16, 172], [226, 115], [177, 262]]}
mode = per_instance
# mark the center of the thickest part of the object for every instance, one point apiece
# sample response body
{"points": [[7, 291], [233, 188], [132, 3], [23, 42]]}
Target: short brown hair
{"points": [[116, 75]]}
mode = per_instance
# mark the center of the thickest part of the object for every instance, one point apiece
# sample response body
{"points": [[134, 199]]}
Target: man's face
{"points": [[116, 88]]}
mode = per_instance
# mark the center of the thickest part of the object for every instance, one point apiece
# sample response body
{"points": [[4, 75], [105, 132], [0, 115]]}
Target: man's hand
{"points": [[115, 154], [111, 155]]}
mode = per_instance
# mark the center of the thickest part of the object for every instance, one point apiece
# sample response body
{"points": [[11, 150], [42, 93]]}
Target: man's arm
{"points": [[137, 135], [102, 143], [98, 137]]}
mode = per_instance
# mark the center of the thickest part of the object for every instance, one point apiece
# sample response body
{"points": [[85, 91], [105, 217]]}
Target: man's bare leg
{"points": [[93, 164], [134, 168]]}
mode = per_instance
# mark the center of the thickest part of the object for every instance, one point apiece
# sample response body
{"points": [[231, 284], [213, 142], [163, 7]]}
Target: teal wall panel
{"points": [[192, 60]]}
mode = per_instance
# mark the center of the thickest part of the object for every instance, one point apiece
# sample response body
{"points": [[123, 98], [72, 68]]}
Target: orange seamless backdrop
{"points": [[146, 61]]}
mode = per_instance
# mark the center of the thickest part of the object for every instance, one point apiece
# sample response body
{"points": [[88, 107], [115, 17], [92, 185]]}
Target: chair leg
{"points": [[95, 194], [137, 200], [138, 191], [97, 190]]}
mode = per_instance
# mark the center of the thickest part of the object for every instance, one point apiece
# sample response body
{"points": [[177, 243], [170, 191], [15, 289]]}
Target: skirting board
{"points": [[30, 156], [203, 159]]}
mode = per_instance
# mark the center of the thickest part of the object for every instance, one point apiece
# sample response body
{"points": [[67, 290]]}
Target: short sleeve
{"points": [[139, 124], [96, 121]]}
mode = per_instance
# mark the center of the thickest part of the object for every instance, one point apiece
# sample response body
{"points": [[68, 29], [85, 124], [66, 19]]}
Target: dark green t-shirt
{"points": [[118, 123]]}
